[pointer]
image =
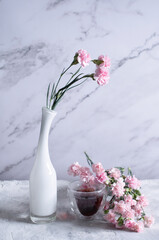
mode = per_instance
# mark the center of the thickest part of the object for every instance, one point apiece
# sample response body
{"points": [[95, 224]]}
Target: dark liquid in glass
{"points": [[88, 205]]}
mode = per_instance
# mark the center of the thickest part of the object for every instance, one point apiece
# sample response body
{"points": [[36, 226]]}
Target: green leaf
{"points": [[52, 91], [92, 76], [137, 192], [97, 61], [48, 90], [75, 61], [120, 221], [121, 169], [106, 211]]}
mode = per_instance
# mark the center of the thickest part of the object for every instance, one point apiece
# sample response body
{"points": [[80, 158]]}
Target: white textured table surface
{"points": [[16, 225]]}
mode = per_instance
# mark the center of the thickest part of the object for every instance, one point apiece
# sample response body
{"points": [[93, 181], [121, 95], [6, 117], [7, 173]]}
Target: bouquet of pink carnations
{"points": [[125, 204], [101, 75]]}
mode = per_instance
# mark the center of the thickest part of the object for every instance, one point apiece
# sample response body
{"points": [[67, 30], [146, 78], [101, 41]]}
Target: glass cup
{"points": [[86, 200]]}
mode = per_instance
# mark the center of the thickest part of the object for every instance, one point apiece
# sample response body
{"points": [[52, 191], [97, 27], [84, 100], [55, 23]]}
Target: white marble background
{"points": [[117, 124]]}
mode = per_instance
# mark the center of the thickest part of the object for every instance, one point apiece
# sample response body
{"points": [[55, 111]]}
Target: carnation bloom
{"points": [[110, 217], [83, 57], [138, 209], [148, 221], [133, 182], [74, 169], [120, 207], [129, 200], [130, 224], [101, 75], [115, 173], [129, 213], [138, 227], [118, 188], [106, 61], [142, 200], [98, 168], [86, 176], [102, 177], [134, 226]]}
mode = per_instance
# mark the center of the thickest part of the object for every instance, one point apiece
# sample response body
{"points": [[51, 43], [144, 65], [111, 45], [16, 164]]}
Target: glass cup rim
{"points": [[70, 187]]}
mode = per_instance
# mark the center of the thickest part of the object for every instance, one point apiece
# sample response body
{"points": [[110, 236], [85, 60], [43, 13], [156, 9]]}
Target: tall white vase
{"points": [[43, 181]]}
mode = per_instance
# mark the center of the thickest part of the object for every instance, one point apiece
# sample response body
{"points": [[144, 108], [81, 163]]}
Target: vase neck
{"points": [[47, 118]]}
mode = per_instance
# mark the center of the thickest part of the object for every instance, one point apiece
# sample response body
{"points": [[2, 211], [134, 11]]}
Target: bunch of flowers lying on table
{"points": [[81, 59], [125, 204]]}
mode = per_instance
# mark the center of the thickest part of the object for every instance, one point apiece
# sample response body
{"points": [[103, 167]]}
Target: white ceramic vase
{"points": [[43, 181]]}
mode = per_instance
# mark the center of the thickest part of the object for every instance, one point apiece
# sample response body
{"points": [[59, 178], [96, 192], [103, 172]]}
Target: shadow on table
{"points": [[15, 211]]}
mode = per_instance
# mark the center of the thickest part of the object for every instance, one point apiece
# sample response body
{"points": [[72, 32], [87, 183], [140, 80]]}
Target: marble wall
{"points": [[117, 124]]}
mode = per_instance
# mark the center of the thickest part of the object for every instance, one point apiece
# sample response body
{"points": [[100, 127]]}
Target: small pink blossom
{"points": [[120, 207], [118, 188], [130, 224], [148, 221], [138, 210], [134, 226], [86, 176], [106, 61], [102, 177], [138, 227], [110, 217], [133, 182], [129, 213], [74, 169], [115, 173], [142, 200], [128, 199], [98, 168], [101, 75], [83, 57]]}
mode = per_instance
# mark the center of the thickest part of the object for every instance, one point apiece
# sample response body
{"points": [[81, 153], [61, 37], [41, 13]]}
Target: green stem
{"points": [[76, 85], [63, 72], [90, 162]]}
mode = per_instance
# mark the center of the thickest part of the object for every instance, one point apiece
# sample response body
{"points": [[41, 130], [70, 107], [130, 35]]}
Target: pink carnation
{"points": [[115, 173], [120, 207], [110, 217], [142, 200], [118, 188], [129, 213], [138, 227], [98, 168], [128, 199], [101, 75], [130, 224], [86, 176], [83, 57], [102, 177], [74, 169], [106, 61], [133, 182], [134, 226], [148, 221], [138, 210]]}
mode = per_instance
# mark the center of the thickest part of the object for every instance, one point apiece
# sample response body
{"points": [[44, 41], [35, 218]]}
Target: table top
{"points": [[15, 223]]}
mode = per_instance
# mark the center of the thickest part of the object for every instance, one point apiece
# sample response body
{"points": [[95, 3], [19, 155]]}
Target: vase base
{"points": [[42, 219]]}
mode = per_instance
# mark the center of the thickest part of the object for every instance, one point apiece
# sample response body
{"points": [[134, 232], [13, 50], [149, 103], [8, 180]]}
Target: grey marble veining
{"points": [[15, 223], [117, 124]]}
